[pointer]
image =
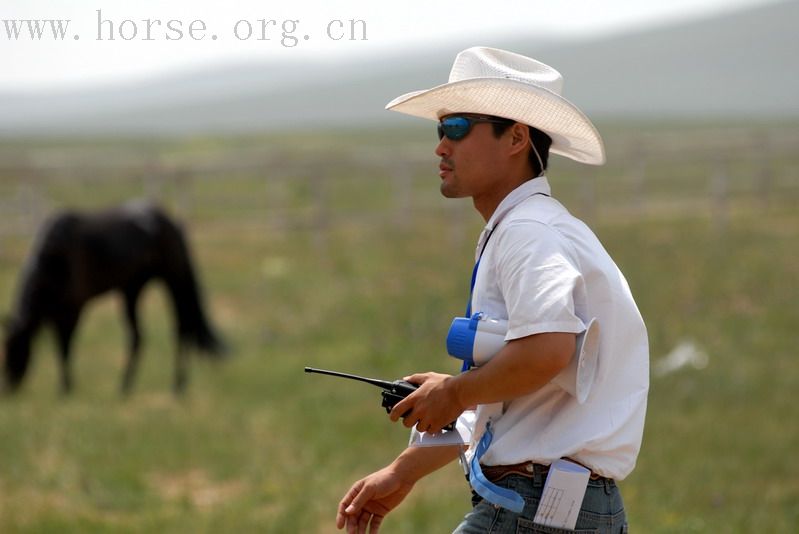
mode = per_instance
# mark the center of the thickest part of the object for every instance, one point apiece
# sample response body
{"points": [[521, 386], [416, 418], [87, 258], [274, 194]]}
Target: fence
{"points": [[676, 172]]}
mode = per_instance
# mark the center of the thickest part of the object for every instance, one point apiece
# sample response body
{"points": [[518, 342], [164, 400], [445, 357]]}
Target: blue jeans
{"points": [[602, 510]]}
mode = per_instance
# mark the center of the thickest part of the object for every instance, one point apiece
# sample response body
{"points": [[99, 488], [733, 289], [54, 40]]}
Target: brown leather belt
{"points": [[495, 473]]}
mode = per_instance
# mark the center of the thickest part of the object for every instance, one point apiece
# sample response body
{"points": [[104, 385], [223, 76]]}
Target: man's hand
{"points": [[431, 407], [369, 500], [522, 366]]}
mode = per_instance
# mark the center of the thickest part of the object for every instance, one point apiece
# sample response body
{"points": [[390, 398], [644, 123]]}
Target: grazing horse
{"points": [[78, 256]]}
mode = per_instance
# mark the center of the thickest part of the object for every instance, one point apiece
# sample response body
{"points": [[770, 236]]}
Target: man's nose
{"points": [[443, 148]]}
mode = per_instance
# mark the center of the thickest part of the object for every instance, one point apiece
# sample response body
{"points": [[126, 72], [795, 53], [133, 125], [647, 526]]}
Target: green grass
{"points": [[361, 284]]}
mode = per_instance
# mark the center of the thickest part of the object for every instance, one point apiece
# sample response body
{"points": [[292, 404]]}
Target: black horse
{"points": [[78, 256]]}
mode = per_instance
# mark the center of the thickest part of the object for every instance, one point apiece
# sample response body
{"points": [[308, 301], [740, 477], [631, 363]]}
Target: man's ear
{"points": [[520, 137]]}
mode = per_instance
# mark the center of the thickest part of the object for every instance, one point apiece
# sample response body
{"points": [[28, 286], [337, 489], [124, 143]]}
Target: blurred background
{"points": [[320, 238]]}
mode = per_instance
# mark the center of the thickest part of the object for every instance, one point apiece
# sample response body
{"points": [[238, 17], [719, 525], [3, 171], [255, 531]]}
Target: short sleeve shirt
{"points": [[543, 270]]}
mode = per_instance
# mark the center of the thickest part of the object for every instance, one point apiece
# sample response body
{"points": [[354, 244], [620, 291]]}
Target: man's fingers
{"points": [[348, 498], [352, 525], [416, 378], [406, 409], [402, 407], [362, 496], [359, 524], [346, 504], [374, 526], [363, 522]]}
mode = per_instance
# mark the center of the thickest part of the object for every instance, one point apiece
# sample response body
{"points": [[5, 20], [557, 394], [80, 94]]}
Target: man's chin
{"points": [[448, 191]]}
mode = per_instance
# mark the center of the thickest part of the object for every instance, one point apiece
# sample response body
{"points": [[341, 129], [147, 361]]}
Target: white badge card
{"points": [[462, 434], [563, 495]]}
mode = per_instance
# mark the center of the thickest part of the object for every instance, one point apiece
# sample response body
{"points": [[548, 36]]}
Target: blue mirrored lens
{"points": [[454, 128]]}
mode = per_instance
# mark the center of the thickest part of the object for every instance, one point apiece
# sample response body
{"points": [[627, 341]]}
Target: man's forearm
{"points": [[415, 463], [521, 367]]}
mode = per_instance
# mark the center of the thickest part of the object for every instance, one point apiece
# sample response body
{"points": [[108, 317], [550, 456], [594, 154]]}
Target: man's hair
{"points": [[540, 140]]}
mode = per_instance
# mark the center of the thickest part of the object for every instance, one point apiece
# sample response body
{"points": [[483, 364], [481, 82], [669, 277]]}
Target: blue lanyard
{"points": [[497, 495], [474, 274], [504, 497], [477, 264], [492, 493]]}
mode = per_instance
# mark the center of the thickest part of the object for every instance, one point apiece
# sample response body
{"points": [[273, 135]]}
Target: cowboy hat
{"points": [[500, 83]]}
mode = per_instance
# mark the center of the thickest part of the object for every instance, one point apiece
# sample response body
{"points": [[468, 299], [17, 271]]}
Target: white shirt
{"points": [[543, 270]]}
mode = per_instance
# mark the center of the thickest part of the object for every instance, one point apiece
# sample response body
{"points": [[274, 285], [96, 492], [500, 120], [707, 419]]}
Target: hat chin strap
{"points": [[538, 156]]}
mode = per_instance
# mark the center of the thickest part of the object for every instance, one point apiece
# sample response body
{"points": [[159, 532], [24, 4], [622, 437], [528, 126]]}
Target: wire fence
{"points": [[671, 173]]}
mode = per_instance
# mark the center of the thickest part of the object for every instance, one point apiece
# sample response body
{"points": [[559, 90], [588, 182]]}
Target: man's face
{"points": [[471, 166]]}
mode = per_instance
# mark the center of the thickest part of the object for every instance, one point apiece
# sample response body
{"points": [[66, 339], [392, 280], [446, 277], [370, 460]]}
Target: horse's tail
{"points": [[181, 280]]}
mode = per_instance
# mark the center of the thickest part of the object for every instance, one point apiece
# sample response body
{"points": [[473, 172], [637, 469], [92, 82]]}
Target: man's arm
{"points": [[371, 498], [521, 367]]}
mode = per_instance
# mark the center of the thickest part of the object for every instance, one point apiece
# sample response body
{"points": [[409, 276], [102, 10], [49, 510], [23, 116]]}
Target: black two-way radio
{"points": [[393, 392]]}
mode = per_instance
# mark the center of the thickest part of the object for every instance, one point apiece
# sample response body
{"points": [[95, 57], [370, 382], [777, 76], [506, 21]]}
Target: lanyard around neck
{"points": [[474, 273], [480, 256]]}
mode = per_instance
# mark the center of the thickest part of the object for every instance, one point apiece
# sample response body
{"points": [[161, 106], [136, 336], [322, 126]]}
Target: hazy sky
{"points": [[156, 37]]}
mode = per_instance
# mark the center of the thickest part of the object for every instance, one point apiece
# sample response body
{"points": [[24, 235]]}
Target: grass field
{"points": [[314, 255]]}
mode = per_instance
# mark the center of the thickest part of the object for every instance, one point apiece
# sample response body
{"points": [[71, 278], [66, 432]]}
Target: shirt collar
{"points": [[539, 185]]}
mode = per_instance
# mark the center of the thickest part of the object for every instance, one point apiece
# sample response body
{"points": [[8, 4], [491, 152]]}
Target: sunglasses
{"points": [[456, 127]]}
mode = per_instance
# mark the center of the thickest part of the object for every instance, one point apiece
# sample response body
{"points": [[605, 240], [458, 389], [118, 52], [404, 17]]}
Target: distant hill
{"points": [[741, 64]]}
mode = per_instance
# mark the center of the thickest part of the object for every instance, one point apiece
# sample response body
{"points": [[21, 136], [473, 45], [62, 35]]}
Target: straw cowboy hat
{"points": [[500, 83]]}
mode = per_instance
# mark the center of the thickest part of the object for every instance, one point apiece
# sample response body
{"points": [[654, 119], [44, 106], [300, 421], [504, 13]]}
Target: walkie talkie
{"points": [[393, 392]]}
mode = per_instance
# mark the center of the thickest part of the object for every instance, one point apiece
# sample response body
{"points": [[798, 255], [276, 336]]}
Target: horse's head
{"points": [[16, 354]]}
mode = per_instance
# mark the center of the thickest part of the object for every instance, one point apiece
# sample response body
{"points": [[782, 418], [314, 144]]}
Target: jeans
{"points": [[602, 510]]}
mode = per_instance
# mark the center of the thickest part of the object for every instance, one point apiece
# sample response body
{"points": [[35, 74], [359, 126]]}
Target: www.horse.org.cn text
{"points": [[287, 32]]}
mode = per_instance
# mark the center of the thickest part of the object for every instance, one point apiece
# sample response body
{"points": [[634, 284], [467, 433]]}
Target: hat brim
{"points": [[573, 135]]}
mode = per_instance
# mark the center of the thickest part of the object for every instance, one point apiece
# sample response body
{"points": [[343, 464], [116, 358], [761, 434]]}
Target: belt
{"points": [[495, 473]]}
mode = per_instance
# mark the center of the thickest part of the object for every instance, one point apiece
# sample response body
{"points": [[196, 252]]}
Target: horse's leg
{"points": [[65, 326], [131, 295]]}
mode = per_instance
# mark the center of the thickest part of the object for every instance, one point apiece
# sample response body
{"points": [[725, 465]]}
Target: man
{"points": [[547, 275]]}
